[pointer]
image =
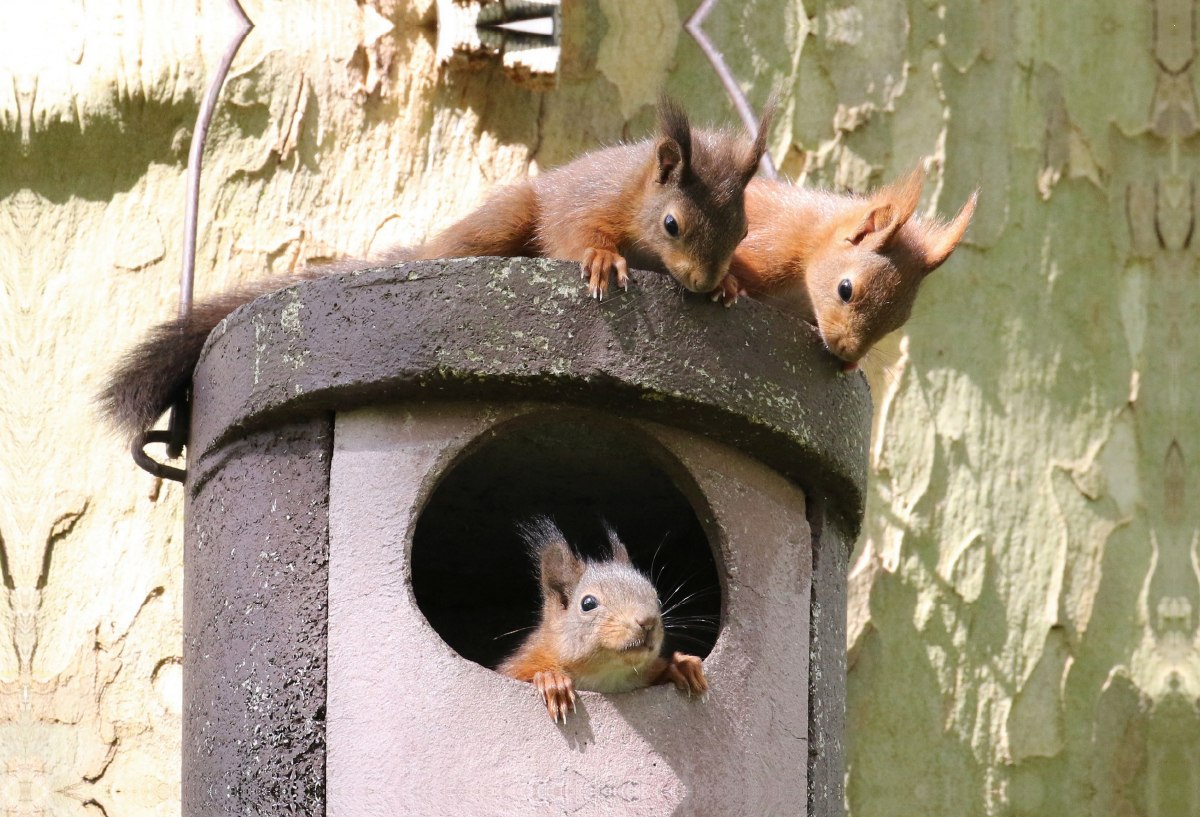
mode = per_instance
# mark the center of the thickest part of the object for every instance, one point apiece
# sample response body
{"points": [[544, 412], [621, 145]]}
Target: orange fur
{"points": [[803, 244], [606, 209], [534, 656], [506, 225]]}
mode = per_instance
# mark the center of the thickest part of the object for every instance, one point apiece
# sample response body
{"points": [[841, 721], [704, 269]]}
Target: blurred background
{"points": [[1024, 601]]}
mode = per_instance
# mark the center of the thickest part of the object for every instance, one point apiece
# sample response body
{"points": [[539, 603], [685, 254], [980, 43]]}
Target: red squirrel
{"points": [[601, 627], [673, 204], [850, 265]]}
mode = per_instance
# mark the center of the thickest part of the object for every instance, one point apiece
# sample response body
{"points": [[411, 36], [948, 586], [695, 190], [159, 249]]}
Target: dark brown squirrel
{"points": [[601, 627], [669, 204], [851, 265]]}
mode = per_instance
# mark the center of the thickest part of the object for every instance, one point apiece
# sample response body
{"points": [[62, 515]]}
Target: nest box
{"points": [[362, 450]]}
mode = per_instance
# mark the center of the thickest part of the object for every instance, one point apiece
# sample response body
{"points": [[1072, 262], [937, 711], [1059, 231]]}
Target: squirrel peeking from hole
{"points": [[601, 627]]}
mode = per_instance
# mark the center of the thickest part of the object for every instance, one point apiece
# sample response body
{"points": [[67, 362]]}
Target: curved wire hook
{"points": [[138, 449]]}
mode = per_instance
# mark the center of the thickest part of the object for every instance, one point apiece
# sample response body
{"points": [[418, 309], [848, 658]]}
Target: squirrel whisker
{"points": [[654, 577], [698, 623], [686, 619], [679, 587], [700, 641], [691, 597]]}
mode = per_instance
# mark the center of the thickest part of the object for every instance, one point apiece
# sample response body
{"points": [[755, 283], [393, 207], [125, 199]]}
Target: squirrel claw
{"points": [[727, 291], [557, 691], [687, 673], [598, 266]]}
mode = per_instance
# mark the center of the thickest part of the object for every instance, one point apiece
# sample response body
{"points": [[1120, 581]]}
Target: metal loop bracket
{"points": [[148, 463]]}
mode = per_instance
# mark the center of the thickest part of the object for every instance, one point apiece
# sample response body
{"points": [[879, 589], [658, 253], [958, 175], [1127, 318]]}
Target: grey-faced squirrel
{"points": [[851, 265], [671, 204], [601, 627]]}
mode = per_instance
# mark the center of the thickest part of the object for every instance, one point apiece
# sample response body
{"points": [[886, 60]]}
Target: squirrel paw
{"points": [[597, 266], [687, 673], [557, 691], [728, 291]]}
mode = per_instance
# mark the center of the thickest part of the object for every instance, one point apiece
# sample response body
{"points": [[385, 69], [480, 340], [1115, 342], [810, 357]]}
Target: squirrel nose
{"points": [[647, 623]]}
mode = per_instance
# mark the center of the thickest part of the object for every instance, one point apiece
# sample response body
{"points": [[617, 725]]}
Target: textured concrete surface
{"points": [[256, 558], [414, 728], [515, 330], [754, 378], [827, 637]]}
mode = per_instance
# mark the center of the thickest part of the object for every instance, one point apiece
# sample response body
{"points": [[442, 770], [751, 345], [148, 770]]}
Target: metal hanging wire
{"points": [[695, 27], [175, 435]]}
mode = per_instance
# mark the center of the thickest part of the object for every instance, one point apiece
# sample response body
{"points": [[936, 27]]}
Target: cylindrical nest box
{"points": [[363, 449]]}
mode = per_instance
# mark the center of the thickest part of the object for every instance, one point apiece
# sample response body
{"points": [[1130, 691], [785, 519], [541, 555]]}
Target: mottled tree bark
{"points": [[1023, 604]]}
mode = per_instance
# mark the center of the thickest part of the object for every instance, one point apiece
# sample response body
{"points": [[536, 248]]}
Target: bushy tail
{"points": [[152, 375]]}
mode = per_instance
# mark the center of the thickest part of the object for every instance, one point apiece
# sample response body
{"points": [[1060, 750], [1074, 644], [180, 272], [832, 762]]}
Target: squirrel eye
{"points": [[846, 290], [671, 225], [588, 604]]}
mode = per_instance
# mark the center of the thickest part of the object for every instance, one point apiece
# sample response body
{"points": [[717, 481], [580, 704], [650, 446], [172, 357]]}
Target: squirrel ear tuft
{"points": [[940, 241], [619, 553], [674, 148], [560, 571], [670, 161], [759, 148], [888, 210], [877, 227]]}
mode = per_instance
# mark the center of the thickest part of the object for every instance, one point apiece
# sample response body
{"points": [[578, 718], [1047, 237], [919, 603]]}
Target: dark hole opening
{"points": [[473, 578]]}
